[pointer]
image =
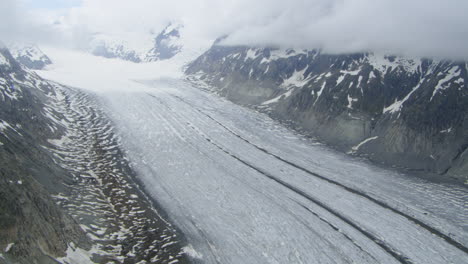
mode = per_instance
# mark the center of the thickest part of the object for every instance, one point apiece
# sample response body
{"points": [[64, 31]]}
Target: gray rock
{"points": [[408, 112]]}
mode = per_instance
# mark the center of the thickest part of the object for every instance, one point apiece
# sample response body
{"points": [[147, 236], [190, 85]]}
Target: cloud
{"points": [[416, 27]]}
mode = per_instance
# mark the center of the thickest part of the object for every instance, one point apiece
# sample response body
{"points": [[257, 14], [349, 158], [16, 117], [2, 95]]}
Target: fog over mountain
{"points": [[421, 28]]}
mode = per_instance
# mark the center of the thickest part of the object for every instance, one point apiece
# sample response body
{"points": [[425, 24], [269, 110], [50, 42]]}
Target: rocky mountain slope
{"points": [[408, 112], [30, 56], [67, 192]]}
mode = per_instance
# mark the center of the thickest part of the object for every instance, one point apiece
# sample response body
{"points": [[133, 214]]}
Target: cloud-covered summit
{"points": [[417, 27]]}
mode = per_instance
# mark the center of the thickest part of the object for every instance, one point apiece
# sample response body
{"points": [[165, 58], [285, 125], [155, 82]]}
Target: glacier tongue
{"points": [[237, 185], [244, 189]]}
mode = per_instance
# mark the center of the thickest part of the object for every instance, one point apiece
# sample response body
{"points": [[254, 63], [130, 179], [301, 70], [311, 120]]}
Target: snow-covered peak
{"points": [[383, 62], [131, 46], [29, 55], [167, 44], [137, 46]]}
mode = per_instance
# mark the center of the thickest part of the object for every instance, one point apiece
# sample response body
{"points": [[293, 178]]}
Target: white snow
{"points": [[250, 73], [443, 83], [251, 54], [354, 73], [4, 126], [344, 73], [397, 105], [124, 42], [200, 156], [448, 130], [382, 63], [281, 96], [190, 251], [282, 54], [8, 247], [3, 60], [75, 255], [102, 74], [356, 148], [350, 101], [319, 93], [297, 79], [340, 79], [371, 76]]}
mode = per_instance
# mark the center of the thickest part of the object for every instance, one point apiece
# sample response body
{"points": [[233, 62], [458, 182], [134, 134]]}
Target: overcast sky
{"points": [[409, 27]]}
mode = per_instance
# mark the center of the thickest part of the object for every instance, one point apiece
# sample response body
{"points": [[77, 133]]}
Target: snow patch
{"points": [[350, 101], [319, 93], [276, 99], [446, 130], [356, 148], [297, 79], [382, 63], [77, 255], [443, 83], [371, 76], [354, 73], [3, 60], [340, 79], [281, 54], [8, 247], [397, 105], [251, 55]]}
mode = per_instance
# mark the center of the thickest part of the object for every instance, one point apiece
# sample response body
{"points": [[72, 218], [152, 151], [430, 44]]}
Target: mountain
{"points": [[124, 47], [67, 192], [167, 44], [405, 112], [32, 226], [137, 47], [30, 56]]}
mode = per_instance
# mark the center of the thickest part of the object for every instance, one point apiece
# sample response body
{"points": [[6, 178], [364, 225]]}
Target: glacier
{"points": [[243, 188]]}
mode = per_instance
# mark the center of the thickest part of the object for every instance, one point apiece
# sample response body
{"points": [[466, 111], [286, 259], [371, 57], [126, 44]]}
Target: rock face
{"points": [[30, 56], [32, 227], [408, 112], [67, 193]]}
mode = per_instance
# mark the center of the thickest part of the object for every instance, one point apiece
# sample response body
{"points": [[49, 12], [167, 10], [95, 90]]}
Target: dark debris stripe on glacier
{"points": [[397, 255], [431, 229]]}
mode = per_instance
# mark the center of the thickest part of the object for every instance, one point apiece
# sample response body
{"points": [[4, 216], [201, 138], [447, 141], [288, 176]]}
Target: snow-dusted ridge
{"points": [[344, 99]]}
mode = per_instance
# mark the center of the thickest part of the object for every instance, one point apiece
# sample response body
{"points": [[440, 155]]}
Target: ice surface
{"points": [[244, 189]]}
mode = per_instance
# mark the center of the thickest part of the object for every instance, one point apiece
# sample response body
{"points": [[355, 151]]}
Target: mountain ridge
{"points": [[408, 112]]}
